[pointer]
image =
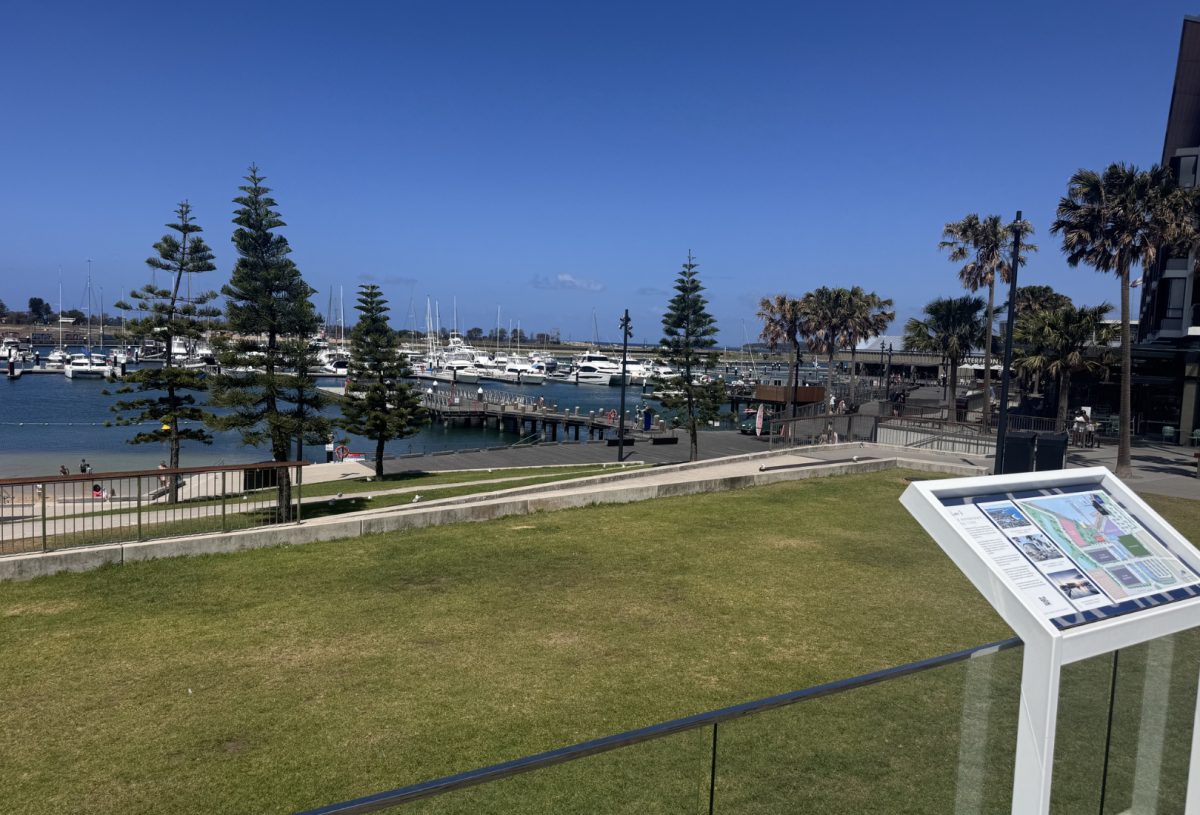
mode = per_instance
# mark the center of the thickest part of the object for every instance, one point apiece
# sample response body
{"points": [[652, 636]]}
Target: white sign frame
{"points": [[1048, 647]]}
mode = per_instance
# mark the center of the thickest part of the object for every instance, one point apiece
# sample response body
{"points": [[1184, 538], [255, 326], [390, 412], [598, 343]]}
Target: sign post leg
{"points": [[1040, 674], [1192, 805]]}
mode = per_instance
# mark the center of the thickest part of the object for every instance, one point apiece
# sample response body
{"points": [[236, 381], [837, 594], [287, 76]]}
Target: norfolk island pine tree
{"points": [[266, 305], [167, 393], [689, 337], [378, 404]]}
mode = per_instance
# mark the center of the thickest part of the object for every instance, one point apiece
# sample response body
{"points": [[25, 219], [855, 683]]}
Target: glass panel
{"points": [[1152, 726], [940, 741], [668, 776], [1080, 735]]}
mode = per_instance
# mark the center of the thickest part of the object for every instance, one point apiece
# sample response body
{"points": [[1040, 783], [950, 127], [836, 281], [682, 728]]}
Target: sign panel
{"points": [[1073, 554]]}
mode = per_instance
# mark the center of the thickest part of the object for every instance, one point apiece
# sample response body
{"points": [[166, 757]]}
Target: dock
{"points": [[534, 418]]}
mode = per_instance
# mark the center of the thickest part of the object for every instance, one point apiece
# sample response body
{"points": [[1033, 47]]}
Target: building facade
{"points": [[1168, 348]]}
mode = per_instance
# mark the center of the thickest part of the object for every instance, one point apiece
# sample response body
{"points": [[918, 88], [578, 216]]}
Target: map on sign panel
{"points": [[1077, 556]]}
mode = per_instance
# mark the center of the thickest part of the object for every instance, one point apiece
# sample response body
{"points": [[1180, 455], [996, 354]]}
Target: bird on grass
{"points": [[415, 499]]}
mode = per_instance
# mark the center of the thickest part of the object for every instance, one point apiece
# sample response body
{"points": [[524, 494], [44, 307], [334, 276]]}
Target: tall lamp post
{"points": [[1002, 421], [626, 332]]}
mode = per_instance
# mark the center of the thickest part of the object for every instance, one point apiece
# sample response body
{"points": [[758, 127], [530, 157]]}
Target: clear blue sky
{"points": [[555, 159]]}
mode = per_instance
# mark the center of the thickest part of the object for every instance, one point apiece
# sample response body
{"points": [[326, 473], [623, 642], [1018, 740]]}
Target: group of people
{"points": [[836, 405], [1083, 430], [84, 468]]}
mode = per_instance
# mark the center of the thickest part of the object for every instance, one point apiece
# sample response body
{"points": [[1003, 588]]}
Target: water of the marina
{"points": [[47, 420]]}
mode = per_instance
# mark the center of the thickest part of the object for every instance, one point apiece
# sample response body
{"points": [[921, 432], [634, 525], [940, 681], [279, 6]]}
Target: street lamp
{"points": [[1002, 424], [626, 332]]}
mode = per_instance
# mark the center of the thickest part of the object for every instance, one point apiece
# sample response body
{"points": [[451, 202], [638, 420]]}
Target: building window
{"points": [[1185, 170]]}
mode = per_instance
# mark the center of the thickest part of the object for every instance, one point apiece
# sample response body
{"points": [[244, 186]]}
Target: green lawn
{"points": [[279, 679]]}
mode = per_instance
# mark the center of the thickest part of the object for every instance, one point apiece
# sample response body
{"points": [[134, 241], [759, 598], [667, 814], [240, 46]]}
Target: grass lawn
{"points": [[279, 679]]}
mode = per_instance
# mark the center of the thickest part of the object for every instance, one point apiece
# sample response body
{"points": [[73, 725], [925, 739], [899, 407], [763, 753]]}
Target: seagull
{"points": [[415, 499]]}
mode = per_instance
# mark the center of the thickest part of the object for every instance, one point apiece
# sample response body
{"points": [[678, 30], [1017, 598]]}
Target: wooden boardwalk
{"points": [[527, 416]]}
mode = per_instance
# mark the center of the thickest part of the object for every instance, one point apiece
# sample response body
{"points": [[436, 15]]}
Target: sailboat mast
{"points": [[89, 306]]}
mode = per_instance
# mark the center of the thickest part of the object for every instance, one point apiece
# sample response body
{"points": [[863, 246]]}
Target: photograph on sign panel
{"points": [[1072, 583], [1037, 547], [1007, 516]]}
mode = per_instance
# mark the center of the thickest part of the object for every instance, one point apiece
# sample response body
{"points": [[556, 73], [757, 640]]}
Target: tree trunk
{"points": [[379, 442], [794, 375], [853, 371], [1124, 459], [693, 430], [952, 406], [279, 439], [1064, 391], [829, 381], [987, 354], [173, 455]]}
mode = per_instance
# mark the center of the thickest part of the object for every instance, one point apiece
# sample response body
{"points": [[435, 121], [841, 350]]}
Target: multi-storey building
{"points": [[1167, 357]]}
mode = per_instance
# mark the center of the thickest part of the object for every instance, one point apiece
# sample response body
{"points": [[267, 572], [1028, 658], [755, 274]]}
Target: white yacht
{"points": [[595, 368], [334, 361], [520, 370], [83, 366]]}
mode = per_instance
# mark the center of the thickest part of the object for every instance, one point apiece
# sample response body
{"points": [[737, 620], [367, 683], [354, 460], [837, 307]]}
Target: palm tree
{"points": [[1112, 222], [870, 315], [987, 243], [1058, 341], [825, 316], [782, 316], [951, 328], [1036, 298]]}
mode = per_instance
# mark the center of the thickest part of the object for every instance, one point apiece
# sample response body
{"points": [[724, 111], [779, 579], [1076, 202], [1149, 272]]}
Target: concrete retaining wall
{"points": [[519, 501]]}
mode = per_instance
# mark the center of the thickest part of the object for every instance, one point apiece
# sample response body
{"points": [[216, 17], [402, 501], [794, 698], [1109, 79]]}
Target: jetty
{"points": [[533, 418]]}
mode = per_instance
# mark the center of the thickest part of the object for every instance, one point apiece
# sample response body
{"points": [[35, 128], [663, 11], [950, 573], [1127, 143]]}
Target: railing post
{"points": [[299, 490], [43, 519], [224, 528], [139, 507]]}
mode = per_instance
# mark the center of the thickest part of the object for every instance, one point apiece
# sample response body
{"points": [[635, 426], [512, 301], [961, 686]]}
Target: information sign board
{"points": [[1078, 565]]}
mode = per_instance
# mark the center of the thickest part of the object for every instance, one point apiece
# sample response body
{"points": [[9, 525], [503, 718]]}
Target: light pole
{"points": [[1002, 422], [626, 332]]}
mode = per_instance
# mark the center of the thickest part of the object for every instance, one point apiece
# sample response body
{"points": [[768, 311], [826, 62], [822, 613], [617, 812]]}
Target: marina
{"points": [[48, 421]]}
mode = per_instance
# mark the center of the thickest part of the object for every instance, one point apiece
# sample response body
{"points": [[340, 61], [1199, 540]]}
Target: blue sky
{"points": [[560, 159]]}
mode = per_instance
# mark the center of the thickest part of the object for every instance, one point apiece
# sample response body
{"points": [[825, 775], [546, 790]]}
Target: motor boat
{"points": [[84, 366], [595, 368]]}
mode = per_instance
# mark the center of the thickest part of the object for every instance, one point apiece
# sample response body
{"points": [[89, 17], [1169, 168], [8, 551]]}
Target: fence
{"points": [[822, 429], [56, 512], [933, 736], [921, 730]]}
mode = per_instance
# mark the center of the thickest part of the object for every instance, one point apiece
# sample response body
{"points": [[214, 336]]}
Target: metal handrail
{"points": [[127, 474], [427, 789]]}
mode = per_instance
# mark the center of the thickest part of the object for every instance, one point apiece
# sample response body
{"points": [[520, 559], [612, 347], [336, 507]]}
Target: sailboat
{"points": [[58, 357]]}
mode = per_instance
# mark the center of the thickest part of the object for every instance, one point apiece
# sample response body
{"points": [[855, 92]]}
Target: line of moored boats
{"points": [[456, 361]]}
